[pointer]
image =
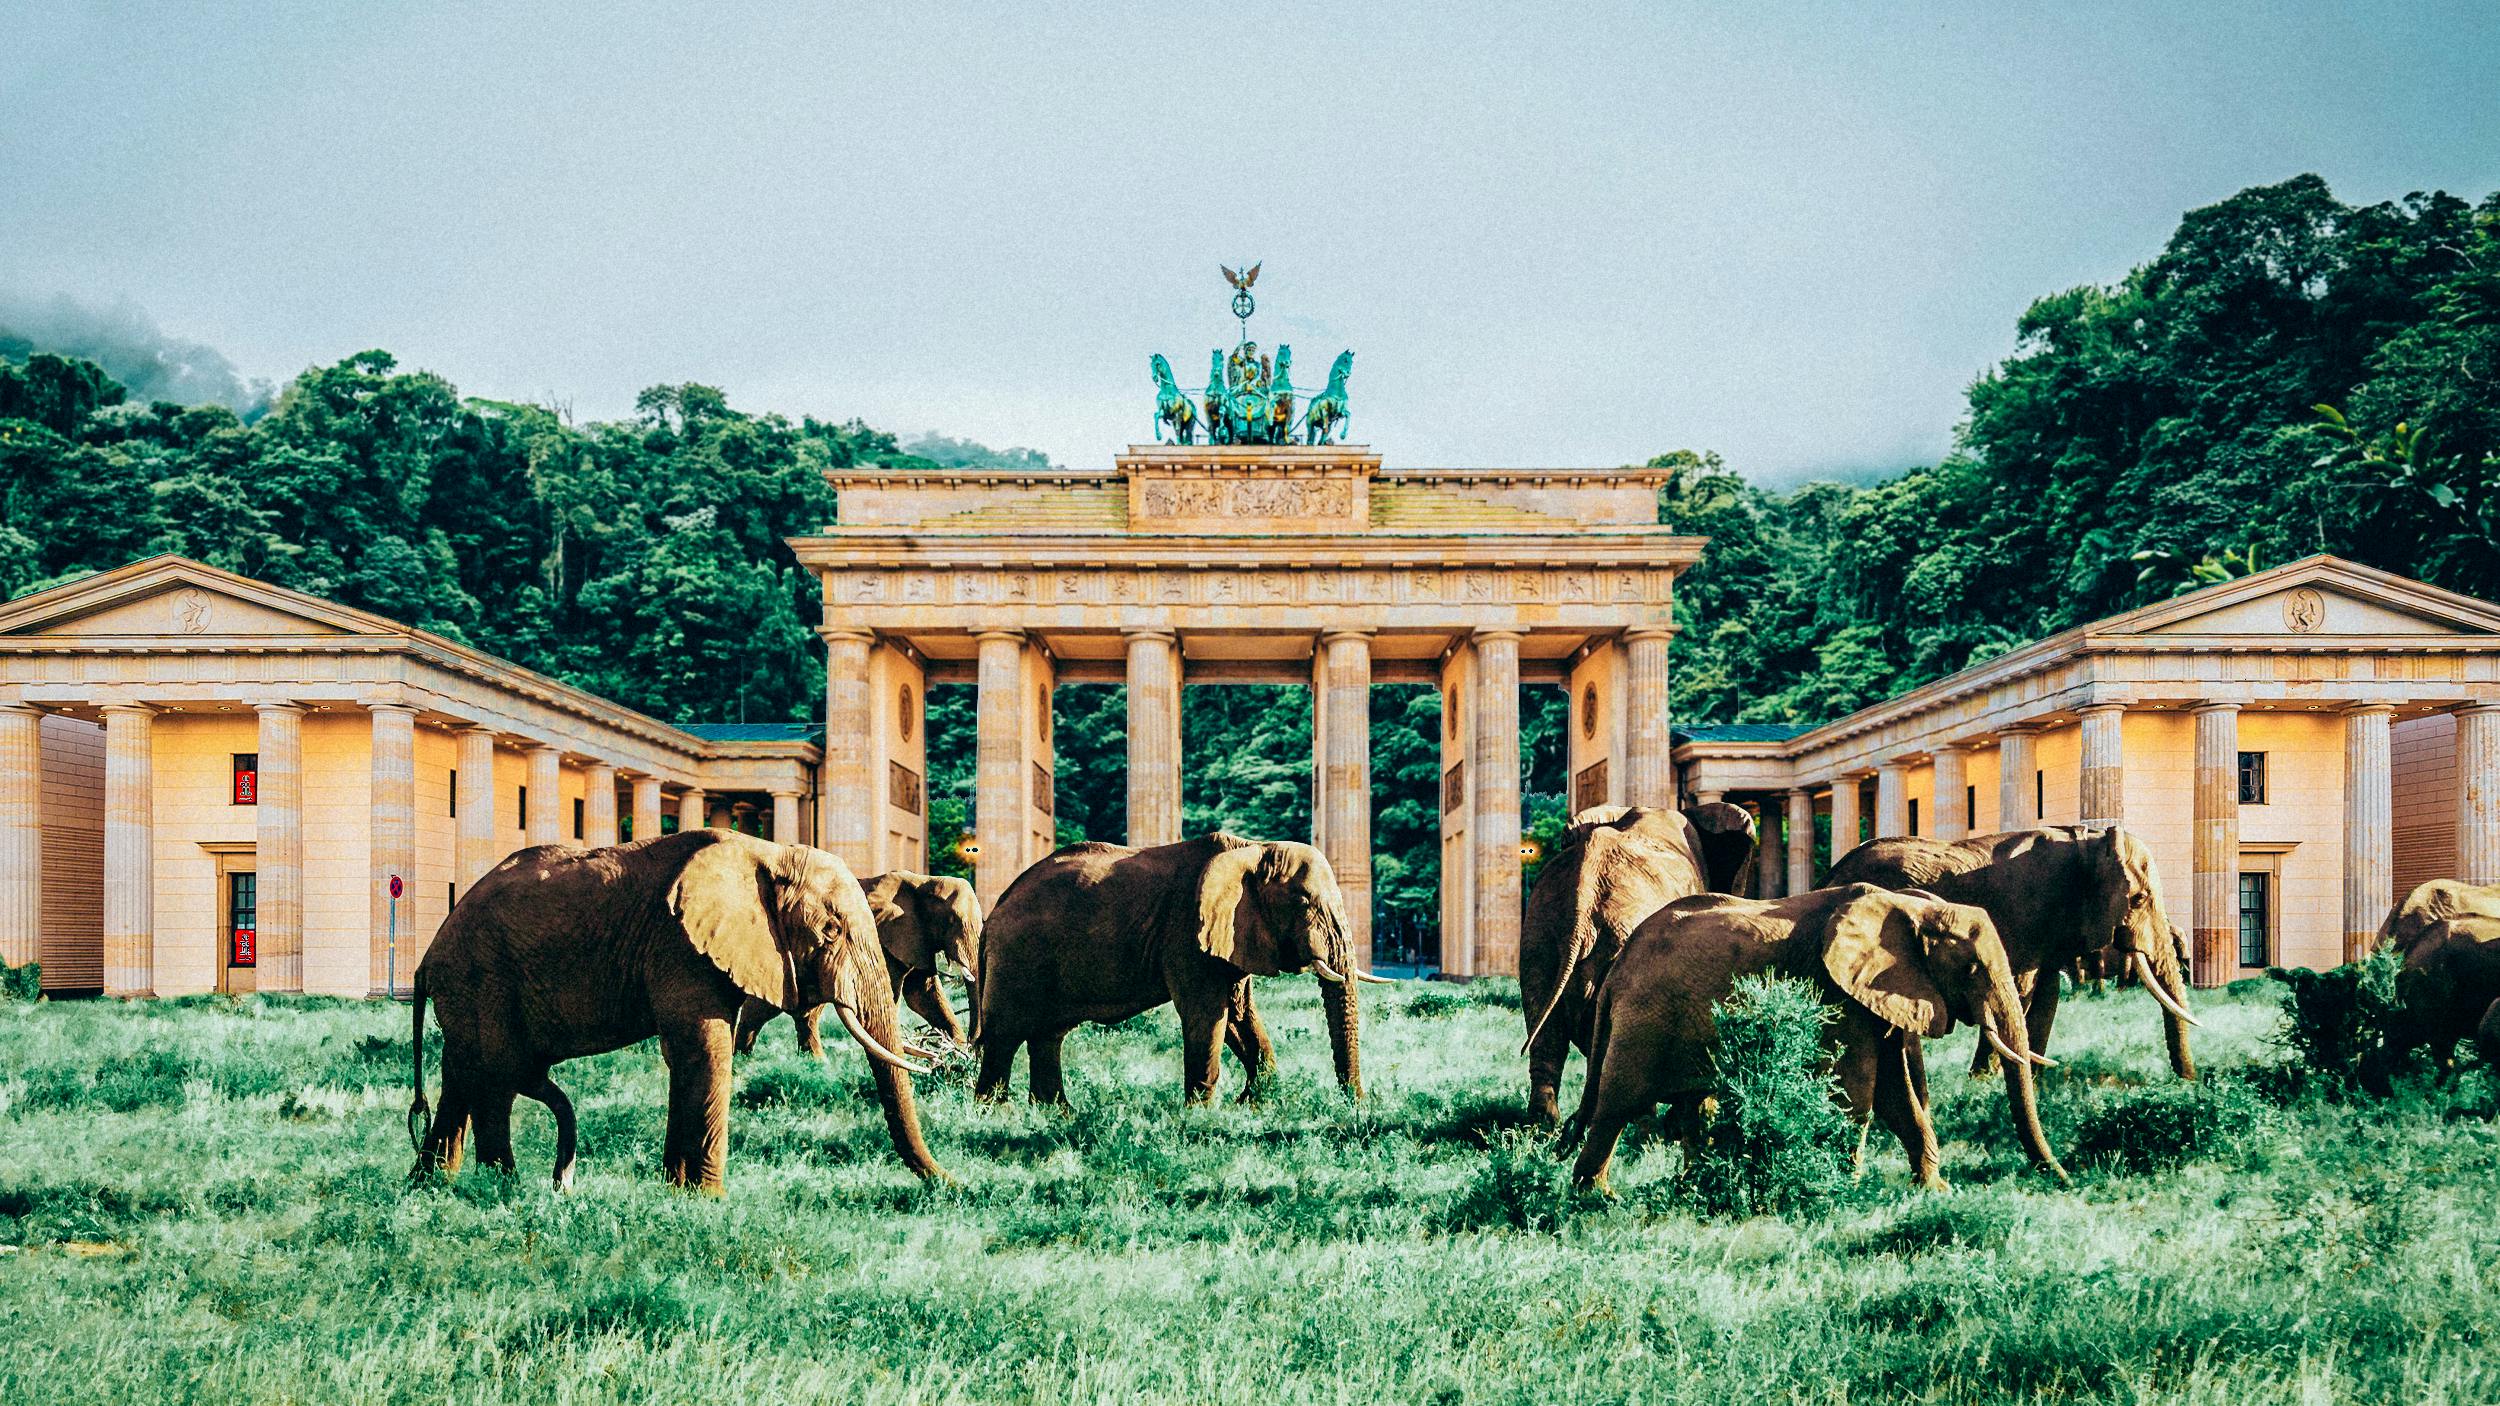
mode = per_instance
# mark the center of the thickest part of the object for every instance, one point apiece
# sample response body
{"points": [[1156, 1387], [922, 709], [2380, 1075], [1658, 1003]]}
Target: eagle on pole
{"points": [[1241, 281]]}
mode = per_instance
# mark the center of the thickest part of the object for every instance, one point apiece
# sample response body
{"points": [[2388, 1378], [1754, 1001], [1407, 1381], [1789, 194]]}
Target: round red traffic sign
{"points": [[394, 886]]}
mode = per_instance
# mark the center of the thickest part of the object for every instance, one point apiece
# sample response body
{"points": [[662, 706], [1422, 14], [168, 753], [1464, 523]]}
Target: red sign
{"points": [[247, 788], [394, 886], [245, 948]]}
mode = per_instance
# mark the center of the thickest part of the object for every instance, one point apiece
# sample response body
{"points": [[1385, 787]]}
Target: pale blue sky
{"points": [[1569, 235]]}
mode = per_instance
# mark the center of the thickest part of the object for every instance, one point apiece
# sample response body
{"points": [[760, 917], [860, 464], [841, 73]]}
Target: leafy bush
{"points": [[21, 983], [1778, 1142], [2163, 1125], [1519, 1186], [1434, 1001], [2333, 1020]]}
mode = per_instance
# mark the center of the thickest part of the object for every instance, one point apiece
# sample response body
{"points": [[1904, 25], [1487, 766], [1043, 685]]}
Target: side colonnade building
{"points": [[2299, 748], [209, 783]]}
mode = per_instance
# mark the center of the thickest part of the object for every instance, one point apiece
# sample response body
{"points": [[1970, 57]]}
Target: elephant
{"points": [[2056, 893], [2431, 904], [560, 952], [1615, 866], [1102, 932], [1898, 967], [2447, 990], [921, 919]]}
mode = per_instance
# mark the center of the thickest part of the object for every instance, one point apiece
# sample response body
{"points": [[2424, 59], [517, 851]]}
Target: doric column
{"points": [[394, 849], [1800, 841], [2217, 868], [2017, 779], [998, 763], [21, 834], [1847, 825], [129, 849], [852, 803], [1154, 738], [278, 853], [647, 805], [2478, 793], [476, 804], [1345, 771], [598, 805], [1709, 797], [1951, 801], [693, 809], [2104, 763], [1649, 769], [1892, 800], [2369, 825], [1494, 788], [786, 820], [546, 783]]}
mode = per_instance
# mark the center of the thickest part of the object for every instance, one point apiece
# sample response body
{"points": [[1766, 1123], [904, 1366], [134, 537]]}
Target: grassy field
{"points": [[206, 1200]]}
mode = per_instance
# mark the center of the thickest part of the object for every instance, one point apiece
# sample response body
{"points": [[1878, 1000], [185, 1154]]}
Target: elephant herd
{"points": [[1631, 938]]}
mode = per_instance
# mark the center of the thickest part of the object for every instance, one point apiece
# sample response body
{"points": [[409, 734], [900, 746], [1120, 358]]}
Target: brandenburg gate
{"points": [[1217, 564]]}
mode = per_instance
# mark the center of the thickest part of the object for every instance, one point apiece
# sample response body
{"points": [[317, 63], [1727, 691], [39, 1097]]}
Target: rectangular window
{"points": [[2039, 795], [577, 817], [455, 793], [1970, 807], [247, 778], [625, 829], [2256, 919], [2252, 778], [243, 921], [451, 897], [1913, 815], [524, 809]]}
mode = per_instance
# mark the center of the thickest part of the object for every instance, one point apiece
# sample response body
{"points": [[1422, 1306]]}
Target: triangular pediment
{"points": [[175, 599], [2317, 596]]}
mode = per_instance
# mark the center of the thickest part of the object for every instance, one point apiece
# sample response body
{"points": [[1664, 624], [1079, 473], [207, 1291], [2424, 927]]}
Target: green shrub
{"points": [[2163, 1125], [1434, 1001], [2333, 1020], [21, 983], [1778, 1142], [1520, 1185]]}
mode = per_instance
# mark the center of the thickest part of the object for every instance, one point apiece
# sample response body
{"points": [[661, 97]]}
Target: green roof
{"points": [[753, 732], [1739, 732]]}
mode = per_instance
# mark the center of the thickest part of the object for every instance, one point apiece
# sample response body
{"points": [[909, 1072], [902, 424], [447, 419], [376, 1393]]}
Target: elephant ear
{"points": [[891, 902], [1875, 953], [725, 897], [1228, 929]]}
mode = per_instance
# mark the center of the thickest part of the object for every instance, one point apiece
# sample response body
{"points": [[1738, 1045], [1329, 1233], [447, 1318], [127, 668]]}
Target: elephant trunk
{"points": [[2160, 967], [2005, 1015], [1344, 1021], [880, 1019]]}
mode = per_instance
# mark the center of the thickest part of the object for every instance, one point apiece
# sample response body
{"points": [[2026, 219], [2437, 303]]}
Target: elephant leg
{"points": [[927, 1000], [450, 1128], [811, 1039], [1897, 1102], [998, 1065], [753, 1016], [1048, 1079], [546, 1092], [1246, 1034], [491, 1114], [1857, 1069], [1204, 1017], [697, 1054], [2040, 1012], [1547, 1057]]}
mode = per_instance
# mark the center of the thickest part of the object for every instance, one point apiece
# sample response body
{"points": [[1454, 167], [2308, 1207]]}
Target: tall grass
{"points": [[207, 1201]]}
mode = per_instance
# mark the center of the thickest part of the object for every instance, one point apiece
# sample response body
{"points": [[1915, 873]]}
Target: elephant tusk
{"points": [[870, 1043], [2161, 993], [1376, 980], [1327, 972], [2005, 1051]]}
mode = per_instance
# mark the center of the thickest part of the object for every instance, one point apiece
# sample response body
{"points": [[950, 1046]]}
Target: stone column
{"points": [[1800, 841], [1345, 770], [998, 766], [1892, 800], [2369, 825], [1649, 769], [278, 853], [21, 834], [852, 802], [1154, 738], [2215, 944], [2104, 763], [647, 802], [693, 809], [1708, 797], [546, 783], [1951, 801], [599, 805], [2017, 779], [478, 848], [2478, 793], [394, 849], [1847, 825], [1494, 788], [129, 849], [786, 820]]}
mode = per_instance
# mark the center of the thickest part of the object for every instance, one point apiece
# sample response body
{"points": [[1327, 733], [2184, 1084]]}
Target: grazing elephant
{"points": [[922, 922], [1102, 932], [1899, 968], [559, 953], [1614, 867], [2432, 904], [2056, 894], [2447, 990]]}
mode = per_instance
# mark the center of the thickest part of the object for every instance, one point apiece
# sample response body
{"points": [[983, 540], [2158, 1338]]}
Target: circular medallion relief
{"points": [[1588, 711], [904, 708], [2304, 611]]}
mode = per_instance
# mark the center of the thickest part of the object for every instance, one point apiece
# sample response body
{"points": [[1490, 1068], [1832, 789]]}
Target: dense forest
{"points": [[2289, 374]]}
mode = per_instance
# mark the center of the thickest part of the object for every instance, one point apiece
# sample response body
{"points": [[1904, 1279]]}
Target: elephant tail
{"points": [[417, 1110]]}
